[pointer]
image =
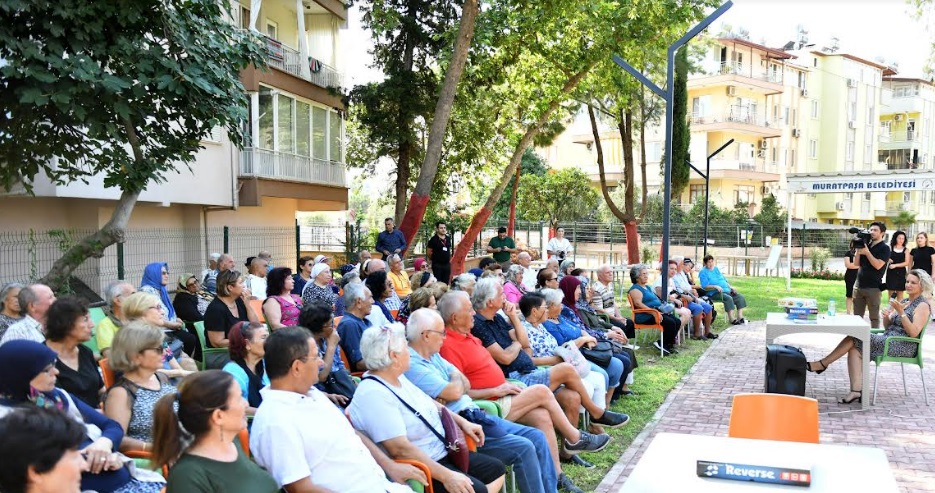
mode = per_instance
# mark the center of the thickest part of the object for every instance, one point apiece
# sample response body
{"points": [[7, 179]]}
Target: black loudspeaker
{"points": [[785, 370]]}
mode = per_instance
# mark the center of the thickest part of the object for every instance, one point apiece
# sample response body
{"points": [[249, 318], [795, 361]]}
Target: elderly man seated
{"points": [[534, 406], [303, 440], [529, 274], [358, 303], [523, 447], [602, 300]]}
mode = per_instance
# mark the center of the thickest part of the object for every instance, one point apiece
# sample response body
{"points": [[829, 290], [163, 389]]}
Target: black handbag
{"points": [[340, 382], [600, 354]]}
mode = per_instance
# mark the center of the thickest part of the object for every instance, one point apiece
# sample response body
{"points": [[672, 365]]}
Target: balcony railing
{"points": [[289, 60], [742, 164], [263, 163], [734, 114], [898, 136], [746, 70]]}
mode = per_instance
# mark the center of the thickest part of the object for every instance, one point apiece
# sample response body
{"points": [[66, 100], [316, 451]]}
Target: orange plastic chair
{"points": [[657, 320], [244, 437], [394, 313], [258, 308], [107, 373], [418, 465], [788, 418]]}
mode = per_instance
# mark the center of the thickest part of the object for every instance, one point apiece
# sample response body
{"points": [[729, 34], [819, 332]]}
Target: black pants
{"points": [[482, 469], [626, 326], [670, 329], [442, 272]]}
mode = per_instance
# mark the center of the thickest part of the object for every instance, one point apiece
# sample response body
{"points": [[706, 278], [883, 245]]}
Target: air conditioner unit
{"points": [[731, 90], [761, 154], [897, 117], [851, 124], [796, 132], [763, 144], [851, 82], [804, 93], [839, 206]]}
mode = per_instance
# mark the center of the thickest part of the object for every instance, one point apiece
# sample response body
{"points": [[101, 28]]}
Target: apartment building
{"points": [[293, 159], [906, 142]]}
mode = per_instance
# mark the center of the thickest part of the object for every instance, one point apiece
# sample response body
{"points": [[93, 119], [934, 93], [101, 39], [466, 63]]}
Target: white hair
{"points": [[524, 255], [353, 292], [113, 291], [420, 321], [449, 304], [512, 272], [552, 296], [378, 342], [484, 292], [463, 280]]}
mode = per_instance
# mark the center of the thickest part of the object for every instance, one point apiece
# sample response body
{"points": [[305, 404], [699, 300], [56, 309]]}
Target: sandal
{"points": [[859, 398], [808, 366]]}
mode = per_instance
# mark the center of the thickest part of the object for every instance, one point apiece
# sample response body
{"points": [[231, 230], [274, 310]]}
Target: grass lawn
{"points": [[656, 377]]}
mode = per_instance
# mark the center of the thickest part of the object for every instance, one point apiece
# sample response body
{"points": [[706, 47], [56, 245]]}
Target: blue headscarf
{"points": [[152, 277], [20, 362]]}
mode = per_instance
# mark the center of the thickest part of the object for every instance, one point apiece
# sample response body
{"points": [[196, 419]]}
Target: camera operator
{"points": [[872, 261]]}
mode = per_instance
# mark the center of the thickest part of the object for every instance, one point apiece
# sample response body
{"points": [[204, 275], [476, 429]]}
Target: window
{"points": [[272, 29], [335, 136], [265, 139], [802, 81], [286, 120], [319, 132], [866, 196], [795, 117], [868, 153], [743, 194], [815, 108], [792, 157], [785, 115], [870, 115], [813, 148], [696, 194], [303, 129], [907, 196], [849, 151], [654, 152]]}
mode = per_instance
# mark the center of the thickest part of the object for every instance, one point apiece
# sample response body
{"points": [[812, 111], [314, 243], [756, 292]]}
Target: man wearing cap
{"points": [[501, 247], [391, 240], [211, 270], [439, 251]]}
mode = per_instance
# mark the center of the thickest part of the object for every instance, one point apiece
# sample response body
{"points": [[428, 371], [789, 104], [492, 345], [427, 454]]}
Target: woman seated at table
{"points": [[378, 411], [907, 318], [542, 349], [27, 382], [137, 353], [281, 306], [246, 365], [67, 327], [643, 297]]}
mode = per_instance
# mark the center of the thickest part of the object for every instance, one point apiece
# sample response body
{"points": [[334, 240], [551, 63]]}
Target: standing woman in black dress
{"points": [[850, 277], [922, 256], [899, 261]]}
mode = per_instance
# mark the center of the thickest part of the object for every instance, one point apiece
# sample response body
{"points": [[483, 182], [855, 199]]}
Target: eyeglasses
{"points": [[439, 332], [155, 349], [165, 273]]}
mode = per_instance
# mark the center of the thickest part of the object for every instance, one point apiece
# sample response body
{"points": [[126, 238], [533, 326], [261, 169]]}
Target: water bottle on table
{"points": [[831, 308]]}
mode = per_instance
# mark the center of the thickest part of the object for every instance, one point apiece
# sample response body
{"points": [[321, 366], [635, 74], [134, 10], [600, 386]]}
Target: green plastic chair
{"points": [[97, 314], [205, 350], [915, 360]]}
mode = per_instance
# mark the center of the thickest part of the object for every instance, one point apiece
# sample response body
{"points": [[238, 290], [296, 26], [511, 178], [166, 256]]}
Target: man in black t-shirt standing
{"points": [[439, 253], [872, 259]]}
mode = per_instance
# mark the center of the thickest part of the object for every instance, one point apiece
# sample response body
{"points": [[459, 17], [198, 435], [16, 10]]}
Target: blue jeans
{"points": [[525, 448], [613, 372]]}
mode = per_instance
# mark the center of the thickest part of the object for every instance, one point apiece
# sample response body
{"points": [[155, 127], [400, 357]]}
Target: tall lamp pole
{"points": [[668, 95]]}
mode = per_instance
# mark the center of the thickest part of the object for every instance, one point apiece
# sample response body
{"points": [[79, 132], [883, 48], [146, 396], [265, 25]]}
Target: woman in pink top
{"points": [[513, 288], [281, 306]]}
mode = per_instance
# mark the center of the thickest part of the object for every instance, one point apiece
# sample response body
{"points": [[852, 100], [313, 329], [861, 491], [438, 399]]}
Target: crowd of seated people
{"points": [[345, 381]]}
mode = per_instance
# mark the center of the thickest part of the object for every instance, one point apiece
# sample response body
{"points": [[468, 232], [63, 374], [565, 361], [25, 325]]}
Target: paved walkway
{"points": [[700, 404]]}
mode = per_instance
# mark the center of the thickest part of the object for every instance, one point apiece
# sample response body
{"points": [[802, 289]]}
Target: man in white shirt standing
{"points": [[303, 440], [34, 301], [559, 247]]}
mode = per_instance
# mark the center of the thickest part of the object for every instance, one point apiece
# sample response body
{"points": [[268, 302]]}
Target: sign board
{"points": [[889, 181], [772, 262]]}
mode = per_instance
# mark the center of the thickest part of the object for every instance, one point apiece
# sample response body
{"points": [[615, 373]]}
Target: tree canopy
{"points": [[557, 196]]}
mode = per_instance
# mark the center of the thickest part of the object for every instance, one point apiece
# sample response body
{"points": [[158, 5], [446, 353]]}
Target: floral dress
{"points": [[290, 306], [903, 349], [543, 344], [313, 291]]}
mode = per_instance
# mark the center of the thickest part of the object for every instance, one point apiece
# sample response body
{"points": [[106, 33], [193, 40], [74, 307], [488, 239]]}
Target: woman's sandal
{"points": [[808, 366], [859, 398]]}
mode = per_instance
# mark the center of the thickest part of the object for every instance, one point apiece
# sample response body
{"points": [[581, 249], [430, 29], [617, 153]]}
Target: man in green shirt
{"points": [[501, 247]]}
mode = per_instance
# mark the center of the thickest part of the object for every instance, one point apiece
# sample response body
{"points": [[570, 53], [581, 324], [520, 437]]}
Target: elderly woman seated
{"points": [[513, 288], [718, 289], [643, 297], [27, 382], [394, 413], [10, 312], [906, 318], [420, 298], [67, 328], [138, 353], [464, 282], [140, 307]]}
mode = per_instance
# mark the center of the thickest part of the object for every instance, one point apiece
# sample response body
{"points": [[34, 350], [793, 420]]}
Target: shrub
{"points": [[823, 274], [819, 258]]}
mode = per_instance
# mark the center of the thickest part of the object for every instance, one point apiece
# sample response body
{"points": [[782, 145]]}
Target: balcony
{"points": [[288, 60], [272, 165], [893, 208], [738, 119], [738, 74], [750, 168], [899, 139]]}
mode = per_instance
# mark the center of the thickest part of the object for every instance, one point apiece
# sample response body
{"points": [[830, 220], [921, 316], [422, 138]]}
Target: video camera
{"points": [[861, 237]]}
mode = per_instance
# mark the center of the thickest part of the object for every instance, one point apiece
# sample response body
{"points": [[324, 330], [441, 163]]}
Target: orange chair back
{"points": [[244, 437], [258, 308], [788, 418], [107, 373], [394, 313], [657, 317]]}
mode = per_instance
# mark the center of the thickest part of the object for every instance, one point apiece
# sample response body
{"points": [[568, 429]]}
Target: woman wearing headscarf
{"points": [[27, 379], [319, 288], [155, 280], [191, 300]]}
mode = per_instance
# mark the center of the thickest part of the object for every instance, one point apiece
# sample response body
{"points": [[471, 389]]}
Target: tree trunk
{"points": [[643, 123], [92, 246], [633, 249], [625, 126], [402, 179], [420, 195], [511, 227], [481, 216]]}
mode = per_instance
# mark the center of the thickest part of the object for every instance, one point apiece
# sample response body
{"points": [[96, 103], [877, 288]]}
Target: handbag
{"points": [[570, 354], [340, 382], [600, 354], [453, 439]]}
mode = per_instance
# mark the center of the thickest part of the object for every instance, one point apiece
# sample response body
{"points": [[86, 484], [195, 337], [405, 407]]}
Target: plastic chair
{"points": [[656, 325], [244, 437], [97, 314], [788, 418], [258, 308], [205, 350], [915, 360], [415, 485], [107, 373]]}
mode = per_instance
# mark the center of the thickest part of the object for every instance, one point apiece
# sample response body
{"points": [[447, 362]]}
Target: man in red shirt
{"points": [[532, 406]]}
